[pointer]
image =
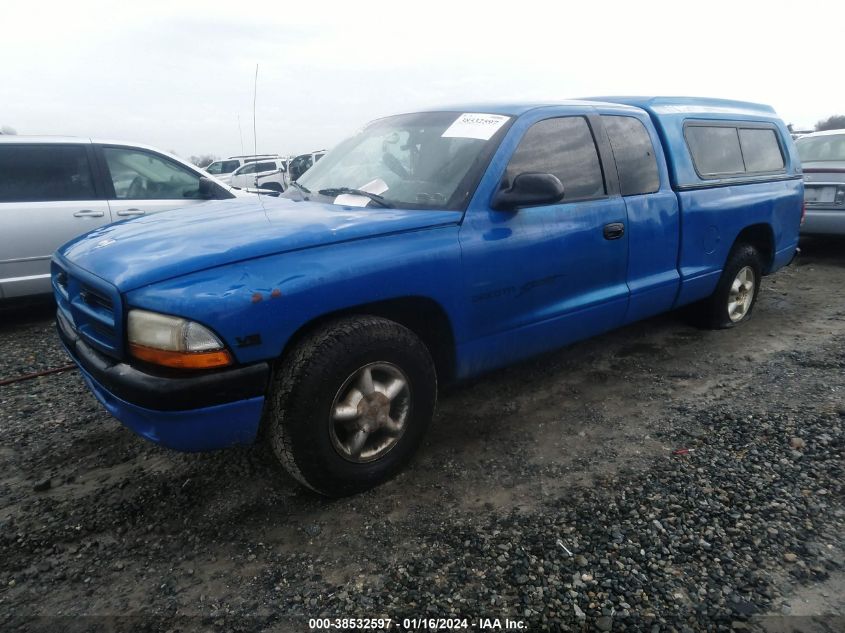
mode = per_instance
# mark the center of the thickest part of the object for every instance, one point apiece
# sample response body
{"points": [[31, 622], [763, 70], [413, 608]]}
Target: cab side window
{"points": [[140, 175], [42, 173], [565, 148], [633, 152]]}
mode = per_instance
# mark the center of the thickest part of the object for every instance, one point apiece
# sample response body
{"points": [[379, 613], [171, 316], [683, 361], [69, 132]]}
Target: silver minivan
{"points": [[54, 188]]}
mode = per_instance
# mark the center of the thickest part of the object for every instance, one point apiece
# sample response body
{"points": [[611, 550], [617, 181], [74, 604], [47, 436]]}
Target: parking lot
{"points": [[657, 476]]}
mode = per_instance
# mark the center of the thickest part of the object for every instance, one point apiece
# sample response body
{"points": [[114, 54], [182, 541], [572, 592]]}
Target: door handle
{"points": [[88, 213], [614, 230], [125, 212]]}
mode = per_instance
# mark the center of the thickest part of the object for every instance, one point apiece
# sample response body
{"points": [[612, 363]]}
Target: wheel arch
{"points": [[424, 316], [762, 238]]}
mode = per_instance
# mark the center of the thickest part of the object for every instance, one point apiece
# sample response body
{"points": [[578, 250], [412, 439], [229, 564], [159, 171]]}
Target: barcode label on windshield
{"points": [[475, 125]]}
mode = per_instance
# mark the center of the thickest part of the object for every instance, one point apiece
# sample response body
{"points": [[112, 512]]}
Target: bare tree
{"points": [[835, 122], [203, 160]]}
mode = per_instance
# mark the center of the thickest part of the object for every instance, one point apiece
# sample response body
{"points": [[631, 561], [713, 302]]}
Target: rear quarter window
{"points": [[633, 152]]}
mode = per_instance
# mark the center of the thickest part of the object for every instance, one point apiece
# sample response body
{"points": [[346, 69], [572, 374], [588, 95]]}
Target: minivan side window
{"points": [[563, 147], [633, 151], [730, 150], [43, 173], [141, 175]]}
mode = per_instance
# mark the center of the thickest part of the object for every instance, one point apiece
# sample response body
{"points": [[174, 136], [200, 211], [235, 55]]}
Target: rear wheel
{"points": [[351, 403], [736, 293]]}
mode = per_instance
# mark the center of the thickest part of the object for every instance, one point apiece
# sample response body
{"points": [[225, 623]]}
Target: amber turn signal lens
{"points": [[181, 360]]}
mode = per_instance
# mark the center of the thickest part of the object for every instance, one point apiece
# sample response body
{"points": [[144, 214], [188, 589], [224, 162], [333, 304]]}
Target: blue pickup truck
{"points": [[429, 247]]}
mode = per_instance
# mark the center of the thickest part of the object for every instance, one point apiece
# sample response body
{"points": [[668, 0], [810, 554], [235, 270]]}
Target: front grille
{"points": [[90, 306], [96, 300]]}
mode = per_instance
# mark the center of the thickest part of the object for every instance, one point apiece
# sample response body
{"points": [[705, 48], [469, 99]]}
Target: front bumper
{"points": [[191, 413]]}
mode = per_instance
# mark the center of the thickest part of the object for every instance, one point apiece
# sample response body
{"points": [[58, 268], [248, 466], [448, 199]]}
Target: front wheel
{"points": [[736, 293], [350, 404]]}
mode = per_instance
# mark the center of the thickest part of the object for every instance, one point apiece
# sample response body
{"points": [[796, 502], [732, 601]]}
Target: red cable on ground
{"points": [[44, 372]]}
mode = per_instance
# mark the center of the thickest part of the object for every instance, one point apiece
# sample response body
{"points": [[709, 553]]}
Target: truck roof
{"points": [[652, 104], [691, 105], [511, 109]]}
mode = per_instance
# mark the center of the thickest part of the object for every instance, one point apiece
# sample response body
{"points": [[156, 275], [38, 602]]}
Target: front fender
{"points": [[257, 305]]}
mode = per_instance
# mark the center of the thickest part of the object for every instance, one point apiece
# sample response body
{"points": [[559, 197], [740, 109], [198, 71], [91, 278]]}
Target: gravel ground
{"points": [[658, 478]]}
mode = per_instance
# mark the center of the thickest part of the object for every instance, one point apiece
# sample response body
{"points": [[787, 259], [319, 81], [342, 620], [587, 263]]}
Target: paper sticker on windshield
{"points": [[475, 125], [377, 186]]}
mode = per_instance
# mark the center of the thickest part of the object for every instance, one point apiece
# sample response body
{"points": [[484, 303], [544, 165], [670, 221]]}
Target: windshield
{"points": [[826, 147], [430, 160]]}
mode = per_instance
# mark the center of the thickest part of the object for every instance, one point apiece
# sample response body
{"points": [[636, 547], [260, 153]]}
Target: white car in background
{"points": [[268, 174], [223, 169], [302, 163], [53, 189]]}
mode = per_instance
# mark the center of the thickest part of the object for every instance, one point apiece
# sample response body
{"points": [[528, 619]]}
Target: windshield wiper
{"points": [[302, 188], [336, 191]]}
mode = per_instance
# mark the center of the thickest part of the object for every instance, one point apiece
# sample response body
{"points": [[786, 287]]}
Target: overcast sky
{"points": [[178, 75]]}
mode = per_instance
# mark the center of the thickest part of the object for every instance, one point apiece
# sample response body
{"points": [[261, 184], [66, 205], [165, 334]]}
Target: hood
{"points": [[153, 248]]}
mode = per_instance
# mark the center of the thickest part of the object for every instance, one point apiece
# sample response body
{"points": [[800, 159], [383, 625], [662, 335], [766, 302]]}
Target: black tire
{"points": [[302, 401], [714, 311], [272, 186]]}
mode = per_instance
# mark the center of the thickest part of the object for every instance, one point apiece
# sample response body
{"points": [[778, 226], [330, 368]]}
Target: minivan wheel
{"points": [[737, 290], [350, 404]]}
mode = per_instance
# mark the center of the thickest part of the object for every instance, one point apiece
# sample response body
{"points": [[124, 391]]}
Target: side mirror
{"points": [[208, 189], [528, 189]]}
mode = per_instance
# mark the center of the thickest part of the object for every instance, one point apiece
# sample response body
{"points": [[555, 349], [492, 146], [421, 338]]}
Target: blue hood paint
{"points": [[146, 250]]}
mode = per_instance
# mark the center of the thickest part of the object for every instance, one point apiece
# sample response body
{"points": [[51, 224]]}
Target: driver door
{"points": [[140, 182], [540, 277]]}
